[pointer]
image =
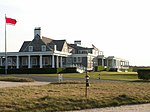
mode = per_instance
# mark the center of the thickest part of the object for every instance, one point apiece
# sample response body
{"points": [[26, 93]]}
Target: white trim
{"points": [[41, 66], [30, 48], [29, 63], [53, 66]]}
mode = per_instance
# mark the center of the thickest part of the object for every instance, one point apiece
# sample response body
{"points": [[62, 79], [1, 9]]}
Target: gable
{"points": [[65, 47], [59, 44], [24, 45], [36, 44]]}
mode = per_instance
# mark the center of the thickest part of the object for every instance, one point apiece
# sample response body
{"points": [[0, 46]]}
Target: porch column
{"points": [[17, 62], [1, 61], [41, 66], [123, 63], [61, 62], [107, 63], [112, 63], [102, 62], [57, 62], [29, 63], [53, 61]]}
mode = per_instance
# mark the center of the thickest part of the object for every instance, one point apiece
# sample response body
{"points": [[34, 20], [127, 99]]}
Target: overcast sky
{"points": [[119, 28]]}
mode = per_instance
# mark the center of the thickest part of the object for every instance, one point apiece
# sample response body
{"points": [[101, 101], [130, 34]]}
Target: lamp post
{"points": [[87, 83]]}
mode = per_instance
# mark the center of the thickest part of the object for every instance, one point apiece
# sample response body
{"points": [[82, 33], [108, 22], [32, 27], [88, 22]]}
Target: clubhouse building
{"points": [[43, 52]]}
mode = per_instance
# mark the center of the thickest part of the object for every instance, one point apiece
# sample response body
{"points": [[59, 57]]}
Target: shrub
{"points": [[70, 70], [39, 70], [30, 71], [111, 69], [107, 69], [59, 70], [99, 68], [130, 69], [144, 74]]}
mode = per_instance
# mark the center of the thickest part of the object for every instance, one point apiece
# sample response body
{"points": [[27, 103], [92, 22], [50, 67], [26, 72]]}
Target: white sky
{"points": [[120, 28]]}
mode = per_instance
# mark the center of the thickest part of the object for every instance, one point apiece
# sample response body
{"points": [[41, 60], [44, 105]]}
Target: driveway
{"points": [[48, 79], [126, 108], [4, 84]]}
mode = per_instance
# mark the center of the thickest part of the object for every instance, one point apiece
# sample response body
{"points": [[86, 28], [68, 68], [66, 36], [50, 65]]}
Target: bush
{"points": [[39, 70], [59, 70], [99, 68], [70, 70], [111, 69], [107, 69], [130, 69], [144, 74], [30, 71]]}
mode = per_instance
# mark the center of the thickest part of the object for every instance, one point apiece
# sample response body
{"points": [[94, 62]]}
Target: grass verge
{"points": [[71, 96]]}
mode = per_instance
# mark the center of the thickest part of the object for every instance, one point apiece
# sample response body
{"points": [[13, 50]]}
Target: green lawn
{"points": [[94, 75]]}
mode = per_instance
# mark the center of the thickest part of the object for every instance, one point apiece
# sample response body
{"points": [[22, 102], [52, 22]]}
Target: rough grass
{"points": [[16, 79], [71, 96]]}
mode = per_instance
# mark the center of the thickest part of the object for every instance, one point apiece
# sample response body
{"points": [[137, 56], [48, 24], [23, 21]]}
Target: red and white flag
{"points": [[10, 21]]}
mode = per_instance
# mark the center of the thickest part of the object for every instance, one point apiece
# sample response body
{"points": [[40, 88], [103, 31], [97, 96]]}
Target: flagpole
{"points": [[5, 49]]}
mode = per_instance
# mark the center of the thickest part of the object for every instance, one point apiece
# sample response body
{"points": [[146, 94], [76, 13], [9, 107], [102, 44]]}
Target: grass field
{"points": [[71, 96]]}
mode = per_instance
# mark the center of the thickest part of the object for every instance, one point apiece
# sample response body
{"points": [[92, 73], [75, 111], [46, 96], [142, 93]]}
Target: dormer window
{"points": [[30, 48], [43, 47]]}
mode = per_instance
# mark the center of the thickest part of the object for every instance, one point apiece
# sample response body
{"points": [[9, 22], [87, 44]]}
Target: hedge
{"points": [[70, 70], [38, 70], [144, 74], [99, 68]]}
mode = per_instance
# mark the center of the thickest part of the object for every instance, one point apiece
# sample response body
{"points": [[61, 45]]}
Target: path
{"points": [[15, 84], [126, 108]]}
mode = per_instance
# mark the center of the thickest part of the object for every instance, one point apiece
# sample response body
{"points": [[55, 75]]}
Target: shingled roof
{"points": [[36, 43], [78, 47], [59, 44], [24, 45]]}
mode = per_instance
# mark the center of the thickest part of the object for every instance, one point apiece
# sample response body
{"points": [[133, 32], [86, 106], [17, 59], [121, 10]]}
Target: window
{"points": [[45, 60], [30, 48], [79, 59], [43, 47], [74, 59], [24, 61], [34, 61], [84, 52]]}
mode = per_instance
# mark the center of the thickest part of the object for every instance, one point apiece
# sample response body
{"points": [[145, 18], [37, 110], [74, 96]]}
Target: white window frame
{"points": [[43, 47], [30, 48]]}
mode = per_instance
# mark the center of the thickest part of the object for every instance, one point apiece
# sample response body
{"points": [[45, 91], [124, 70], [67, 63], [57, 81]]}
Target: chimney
{"points": [[37, 32], [77, 42], [55, 48]]}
